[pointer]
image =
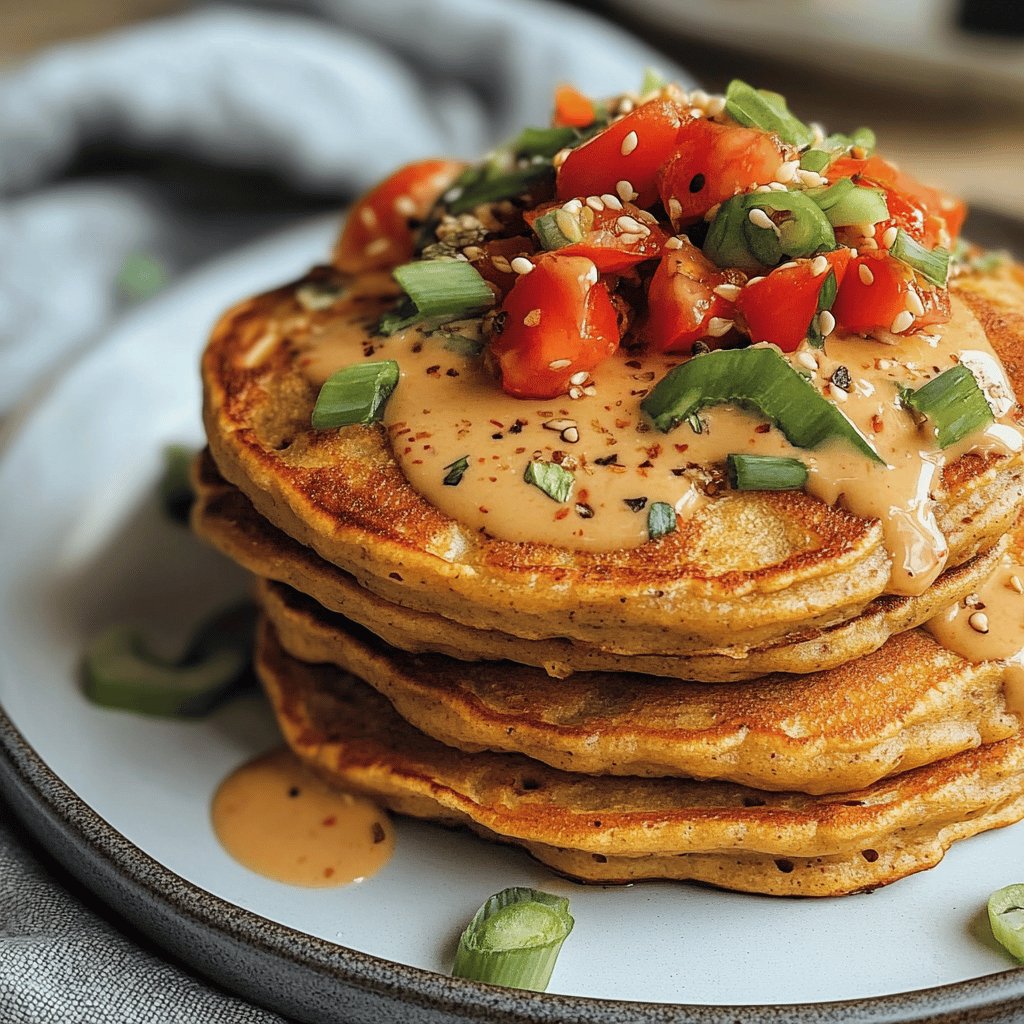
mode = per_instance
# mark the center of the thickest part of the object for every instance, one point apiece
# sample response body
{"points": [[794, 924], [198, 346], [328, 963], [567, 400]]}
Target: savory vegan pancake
{"points": [[605, 828]]}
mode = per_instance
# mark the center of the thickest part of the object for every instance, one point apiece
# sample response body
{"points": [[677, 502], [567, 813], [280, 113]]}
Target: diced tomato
{"points": [[681, 300], [779, 308], [378, 233], [631, 149], [926, 214], [557, 314], [872, 299], [712, 162], [612, 243], [572, 108], [497, 255]]}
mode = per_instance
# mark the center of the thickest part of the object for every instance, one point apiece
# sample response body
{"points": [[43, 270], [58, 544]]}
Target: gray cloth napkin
{"points": [[126, 159]]}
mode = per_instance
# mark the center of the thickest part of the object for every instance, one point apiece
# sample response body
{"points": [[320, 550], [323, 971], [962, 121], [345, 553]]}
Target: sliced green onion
{"points": [[444, 288], [121, 672], [355, 394], [176, 495], [765, 473], [1006, 916], [735, 240], [759, 378], [549, 233], [404, 315], [653, 80], [845, 203], [815, 160], [454, 471], [661, 519], [514, 939], [759, 108], [826, 298], [953, 404], [931, 264], [494, 185], [555, 482], [544, 142]]}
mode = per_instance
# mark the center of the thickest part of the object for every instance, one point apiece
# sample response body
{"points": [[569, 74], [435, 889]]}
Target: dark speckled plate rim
{"points": [[32, 780]]}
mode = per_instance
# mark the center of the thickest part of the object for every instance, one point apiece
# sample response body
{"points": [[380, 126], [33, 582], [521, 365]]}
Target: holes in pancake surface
{"points": [[753, 801], [395, 576], [283, 444], [785, 866], [869, 855], [528, 784], [600, 858]]}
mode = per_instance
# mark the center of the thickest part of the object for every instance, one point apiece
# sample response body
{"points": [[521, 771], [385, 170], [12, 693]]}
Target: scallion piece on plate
{"points": [[451, 289], [493, 184], [514, 939], [845, 203], [931, 264], [548, 232], [759, 108], [755, 377], [455, 471], [1006, 915], [355, 394], [544, 142], [120, 671], [765, 473], [661, 519], [952, 403], [551, 478]]}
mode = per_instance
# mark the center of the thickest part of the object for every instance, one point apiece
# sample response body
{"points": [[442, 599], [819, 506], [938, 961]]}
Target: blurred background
{"points": [[139, 138]]}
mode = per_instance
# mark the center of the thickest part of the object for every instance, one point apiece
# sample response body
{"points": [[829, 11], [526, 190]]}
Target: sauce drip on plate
{"points": [[278, 819]]}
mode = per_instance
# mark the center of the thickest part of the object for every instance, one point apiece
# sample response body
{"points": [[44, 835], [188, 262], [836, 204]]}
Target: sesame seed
{"points": [[611, 202], [903, 322], [826, 323], [727, 291], [717, 326], [914, 303], [559, 425], [889, 237], [559, 364], [696, 113], [627, 223], [560, 157], [760, 219], [521, 265], [368, 217], [572, 206], [570, 435], [405, 206], [625, 191], [675, 209], [865, 275], [629, 143], [502, 264], [810, 179], [590, 391], [630, 239], [763, 188], [715, 105], [866, 230], [1016, 584], [978, 621], [787, 171], [819, 265], [754, 280], [595, 203], [777, 186], [575, 393], [626, 105], [569, 226], [713, 212], [699, 98], [532, 319], [378, 247], [807, 361], [580, 377], [787, 266], [837, 392], [674, 243]]}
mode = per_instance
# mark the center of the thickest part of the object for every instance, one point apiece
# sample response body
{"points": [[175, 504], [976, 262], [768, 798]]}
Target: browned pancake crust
{"points": [[349, 733], [745, 571]]}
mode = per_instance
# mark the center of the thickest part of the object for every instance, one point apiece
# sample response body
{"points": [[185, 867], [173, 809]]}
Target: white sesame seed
{"points": [[628, 238], [629, 143], [378, 247], [810, 179], [569, 226], [787, 171], [777, 186], [866, 230], [559, 364], [865, 275], [819, 265], [595, 203], [570, 435], [521, 265], [502, 264], [903, 322], [1017, 584], [674, 243], [914, 303], [868, 245], [627, 223], [560, 157], [763, 188], [590, 391], [459, 256], [717, 326], [575, 393], [532, 319], [889, 237], [826, 323], [626, 105], [754, 280], [368, 217], [714, 106], [837, 392], [978, 621], [713, 212], [405, 206], [572, 206], [789, 265], [591, 275], [760, 219], [579, 377], [696, 113], [699, 98], [675, 209], [611, 202], [807, 361], [625, 191], [727, 291]]}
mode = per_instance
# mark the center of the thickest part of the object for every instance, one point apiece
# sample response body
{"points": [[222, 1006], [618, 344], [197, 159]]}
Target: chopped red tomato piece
{"points": [[572, 108], [631, 149], [877, 290], [378, 233], [712, 162], [496, 256], [556, 321], [682, 301], [779, 308], [615, 239], [926, 214]]}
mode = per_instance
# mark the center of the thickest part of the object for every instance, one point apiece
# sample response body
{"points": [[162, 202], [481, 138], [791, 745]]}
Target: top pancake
{"points": [[747, 569]]}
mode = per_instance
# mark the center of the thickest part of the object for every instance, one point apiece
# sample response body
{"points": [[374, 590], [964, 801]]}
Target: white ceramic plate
{"points": [[82, 544]]}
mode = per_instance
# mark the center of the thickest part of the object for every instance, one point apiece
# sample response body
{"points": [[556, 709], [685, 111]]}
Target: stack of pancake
{"points": [[739, 703]]}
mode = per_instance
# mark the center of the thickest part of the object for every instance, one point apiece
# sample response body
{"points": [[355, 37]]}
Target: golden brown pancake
{"points": [[746, 570], [619, 828], [227, 519]]}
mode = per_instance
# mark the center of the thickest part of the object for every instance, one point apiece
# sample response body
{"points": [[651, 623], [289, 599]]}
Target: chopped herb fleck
{"points": [[607, 460], [841, 378], [552, 479], [635, 504], [455, 471], [661, 519]]}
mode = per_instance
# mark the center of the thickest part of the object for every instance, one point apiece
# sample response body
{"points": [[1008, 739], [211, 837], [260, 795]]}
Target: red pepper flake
{"points": [[681, 447], [329, 821], [654, 451], [328, 872], [622, 424], [497, 423], [762, 428], [434, 371], [584, 495], [484, 510], [877, 423], [561, 513], [418, 347], [452, 372], [519, 451]]}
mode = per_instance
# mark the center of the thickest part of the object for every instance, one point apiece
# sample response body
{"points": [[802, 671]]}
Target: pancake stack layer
{"points": [[808, 739]]}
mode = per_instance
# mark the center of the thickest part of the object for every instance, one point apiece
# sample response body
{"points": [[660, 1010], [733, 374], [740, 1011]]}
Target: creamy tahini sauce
{"points": [[447, 406], [278, 819], [988, 625]]}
